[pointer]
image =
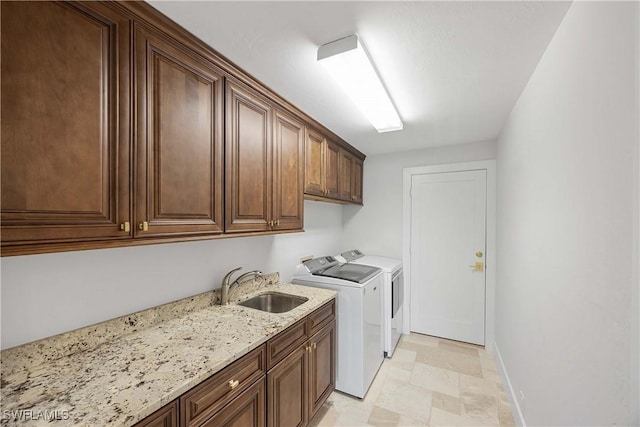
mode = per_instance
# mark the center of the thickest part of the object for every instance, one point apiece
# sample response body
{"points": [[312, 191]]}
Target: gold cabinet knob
{"points": [[233, 384], [314, 345], [479, 254], [144, 226], [277, 222], [125, 226]]}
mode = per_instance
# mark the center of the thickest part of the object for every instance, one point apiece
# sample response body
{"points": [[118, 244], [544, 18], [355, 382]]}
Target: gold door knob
{"points": [[233, 384]]}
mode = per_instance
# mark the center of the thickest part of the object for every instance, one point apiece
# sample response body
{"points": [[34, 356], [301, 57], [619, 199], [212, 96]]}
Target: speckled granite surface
{"points": [[120, 371]]}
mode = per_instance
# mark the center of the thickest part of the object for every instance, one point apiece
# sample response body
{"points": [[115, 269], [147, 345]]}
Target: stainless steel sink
{"points": [[274, 302]]}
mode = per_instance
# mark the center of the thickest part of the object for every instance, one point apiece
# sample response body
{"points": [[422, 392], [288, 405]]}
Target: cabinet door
{"points": [[288, 173], [287, 391], [65, 120], [346, 175], [167, 416], [322, 367], [314, 161], [247, 410], [179, 141], [248, 160], [332, 170], [356, 188]]}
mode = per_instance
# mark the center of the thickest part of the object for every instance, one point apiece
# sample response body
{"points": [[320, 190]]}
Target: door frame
{"points": [[490, 256]]}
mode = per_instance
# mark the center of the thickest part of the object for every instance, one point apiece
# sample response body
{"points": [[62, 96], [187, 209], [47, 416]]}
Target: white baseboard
{"points": [[511, 394]]}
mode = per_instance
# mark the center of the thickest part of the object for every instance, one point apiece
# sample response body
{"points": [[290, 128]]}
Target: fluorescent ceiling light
{"points": [[347, 61]]}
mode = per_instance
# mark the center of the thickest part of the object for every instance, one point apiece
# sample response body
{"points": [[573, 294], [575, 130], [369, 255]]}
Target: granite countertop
{"points": [[120, 371]]}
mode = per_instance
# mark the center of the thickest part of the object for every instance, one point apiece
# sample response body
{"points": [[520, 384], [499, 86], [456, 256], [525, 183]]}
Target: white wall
{"points": [[43, 295], [567, 177], [376, 227]]}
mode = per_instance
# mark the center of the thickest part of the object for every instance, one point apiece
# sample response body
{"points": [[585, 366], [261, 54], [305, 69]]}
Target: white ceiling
{"points": [[453, 69]]}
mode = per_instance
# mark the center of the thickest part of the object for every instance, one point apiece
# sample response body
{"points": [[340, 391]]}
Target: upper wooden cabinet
{"points": [[178, 140], [346, 175], [65, 123], [322, 161], [120, 128], [356, 181], [330, 170], [351, 170], [264, 164], [288, 172], [248, 160]]}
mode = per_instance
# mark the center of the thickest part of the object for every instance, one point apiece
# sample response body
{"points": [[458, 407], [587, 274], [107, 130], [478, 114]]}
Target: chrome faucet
{"points": [[226, 285]]}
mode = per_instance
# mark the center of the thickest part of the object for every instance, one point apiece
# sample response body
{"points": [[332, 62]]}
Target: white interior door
{"points": [[448, 239]]}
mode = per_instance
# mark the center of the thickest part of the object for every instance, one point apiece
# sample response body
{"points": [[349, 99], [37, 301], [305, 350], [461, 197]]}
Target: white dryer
{"points": [[392, 297], [359, 318]]}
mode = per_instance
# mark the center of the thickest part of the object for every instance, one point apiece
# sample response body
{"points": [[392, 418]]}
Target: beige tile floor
{"points": [[428, 382]]}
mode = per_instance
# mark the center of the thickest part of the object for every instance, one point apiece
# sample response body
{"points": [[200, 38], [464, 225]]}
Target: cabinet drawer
{"points": [[209, 397], [321, 317], [248, 410], [285, 342]]}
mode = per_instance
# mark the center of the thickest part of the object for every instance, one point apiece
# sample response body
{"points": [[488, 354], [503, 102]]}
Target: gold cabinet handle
{"points": [[125, 226], [144, 226], [277, 222], [308, 348], [233, 384], [314, 345]]}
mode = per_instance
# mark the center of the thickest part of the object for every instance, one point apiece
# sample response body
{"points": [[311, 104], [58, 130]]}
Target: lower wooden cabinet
{"points": [[299, 384], [322, 367], [200, 403], [287, 390], [281, 383], [167, 416], [246, 410]]}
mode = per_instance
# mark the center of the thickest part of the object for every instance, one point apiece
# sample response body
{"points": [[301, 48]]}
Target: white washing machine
{"points": [[359, 318], [392, 297]]}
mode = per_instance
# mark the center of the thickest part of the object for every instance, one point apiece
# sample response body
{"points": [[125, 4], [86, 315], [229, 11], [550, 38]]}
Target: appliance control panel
{"points": [[321, 263], [352, 254]]}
